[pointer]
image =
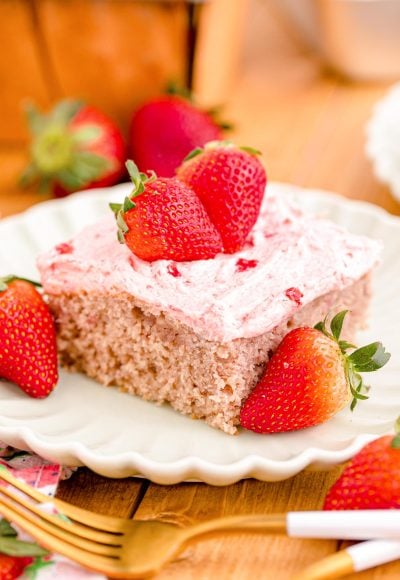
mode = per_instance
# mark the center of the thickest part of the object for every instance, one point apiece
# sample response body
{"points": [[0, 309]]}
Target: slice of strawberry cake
{"points": [[198, 334]]}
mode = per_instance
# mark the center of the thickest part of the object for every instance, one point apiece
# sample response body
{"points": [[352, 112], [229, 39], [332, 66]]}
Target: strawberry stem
{"points": [[366, 359], [139, 180], [6, 280], [175, 89]]}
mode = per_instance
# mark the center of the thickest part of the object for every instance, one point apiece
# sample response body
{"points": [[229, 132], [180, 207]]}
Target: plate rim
{"points": [[190, 467]]}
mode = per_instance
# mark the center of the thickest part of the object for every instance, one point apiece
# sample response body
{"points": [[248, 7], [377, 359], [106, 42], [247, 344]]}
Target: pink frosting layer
{"points": [[290, 259]]}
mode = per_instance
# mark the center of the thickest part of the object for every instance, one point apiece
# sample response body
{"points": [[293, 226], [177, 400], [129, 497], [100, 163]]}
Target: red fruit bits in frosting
{"points": [[242, 264], [65, 248], [173, 270], [295, 295]]}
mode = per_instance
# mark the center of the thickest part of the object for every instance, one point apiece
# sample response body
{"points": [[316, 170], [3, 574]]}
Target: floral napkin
{"points": [[30, 561]]}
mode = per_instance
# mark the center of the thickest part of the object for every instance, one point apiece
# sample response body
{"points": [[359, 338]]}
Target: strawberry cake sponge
{"points": [[198, 334]]}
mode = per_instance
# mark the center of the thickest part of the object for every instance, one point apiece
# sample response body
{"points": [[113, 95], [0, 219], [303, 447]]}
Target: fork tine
{"points": [[85, 517], [66, 535], [92, 561], [79, 530]]}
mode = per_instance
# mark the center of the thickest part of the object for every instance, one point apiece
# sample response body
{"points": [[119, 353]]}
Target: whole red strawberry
{"points": [[28, 352], [12, 567], [230, 181], [164, 130], [371, 480], [163, 219], [309, 378], [74, 147]]}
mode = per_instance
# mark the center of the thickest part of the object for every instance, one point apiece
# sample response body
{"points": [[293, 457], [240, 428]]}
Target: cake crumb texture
{"points": [[117, 340]]}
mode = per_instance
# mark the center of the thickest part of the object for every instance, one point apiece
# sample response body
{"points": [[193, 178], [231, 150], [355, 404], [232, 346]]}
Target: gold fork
{"points": [[116, 547], [122, 548]]}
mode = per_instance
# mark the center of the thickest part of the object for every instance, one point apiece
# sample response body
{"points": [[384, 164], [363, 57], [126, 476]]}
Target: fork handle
{"points": [[346, 525]]}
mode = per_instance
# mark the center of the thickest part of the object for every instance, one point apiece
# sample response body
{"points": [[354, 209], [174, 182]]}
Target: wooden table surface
{"points": [[310, 125]]}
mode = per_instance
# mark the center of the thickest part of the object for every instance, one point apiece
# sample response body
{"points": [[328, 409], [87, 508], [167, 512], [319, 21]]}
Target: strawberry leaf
{"points": [[29, 175], [397, 426], [193, 154], [30, 572], [6, 529], [121, 223], [396, 442], [321, 326], [344, 345], [36, 121], [356, 385], [65, 111], [87, 134], [227, 126], [251, 150], [6, 280], [174, 88], [89, 166], [369, 358], [138, 178], [128, 204], [13, 547], [115, 207], [337, 324]]}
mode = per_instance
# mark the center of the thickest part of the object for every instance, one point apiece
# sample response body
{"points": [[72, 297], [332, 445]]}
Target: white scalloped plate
{"points": [[117, 435]]}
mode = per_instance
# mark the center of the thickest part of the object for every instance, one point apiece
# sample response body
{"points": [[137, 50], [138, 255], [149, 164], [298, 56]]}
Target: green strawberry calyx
{"points": [[6, 280], [365, 359], [226, 144], [139, 180], [396, 439], [60, 152]]}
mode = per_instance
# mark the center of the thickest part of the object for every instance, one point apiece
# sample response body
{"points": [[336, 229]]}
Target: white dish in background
{"points": [[117, 435], [360, 38], [383, 139]]}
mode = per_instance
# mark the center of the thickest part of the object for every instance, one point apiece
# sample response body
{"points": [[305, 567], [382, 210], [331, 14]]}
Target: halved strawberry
{"points": [[28, 351], [309, 378], [163, 219]]}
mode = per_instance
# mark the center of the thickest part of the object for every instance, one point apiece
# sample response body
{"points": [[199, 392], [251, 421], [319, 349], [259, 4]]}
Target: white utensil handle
{"points": [[366, 555], [345, 525]]}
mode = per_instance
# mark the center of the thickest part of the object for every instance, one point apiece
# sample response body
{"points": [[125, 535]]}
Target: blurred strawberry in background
{"points": [[73, 147], [165, 129]]}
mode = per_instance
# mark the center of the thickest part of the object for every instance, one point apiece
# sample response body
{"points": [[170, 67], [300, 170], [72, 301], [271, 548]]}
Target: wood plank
{"points": [[113, 497], [21, 71], [243, 556], [114, 54]]}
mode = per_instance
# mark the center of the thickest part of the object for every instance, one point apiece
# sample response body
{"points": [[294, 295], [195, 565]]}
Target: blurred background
{"points": [[298, 79]]}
